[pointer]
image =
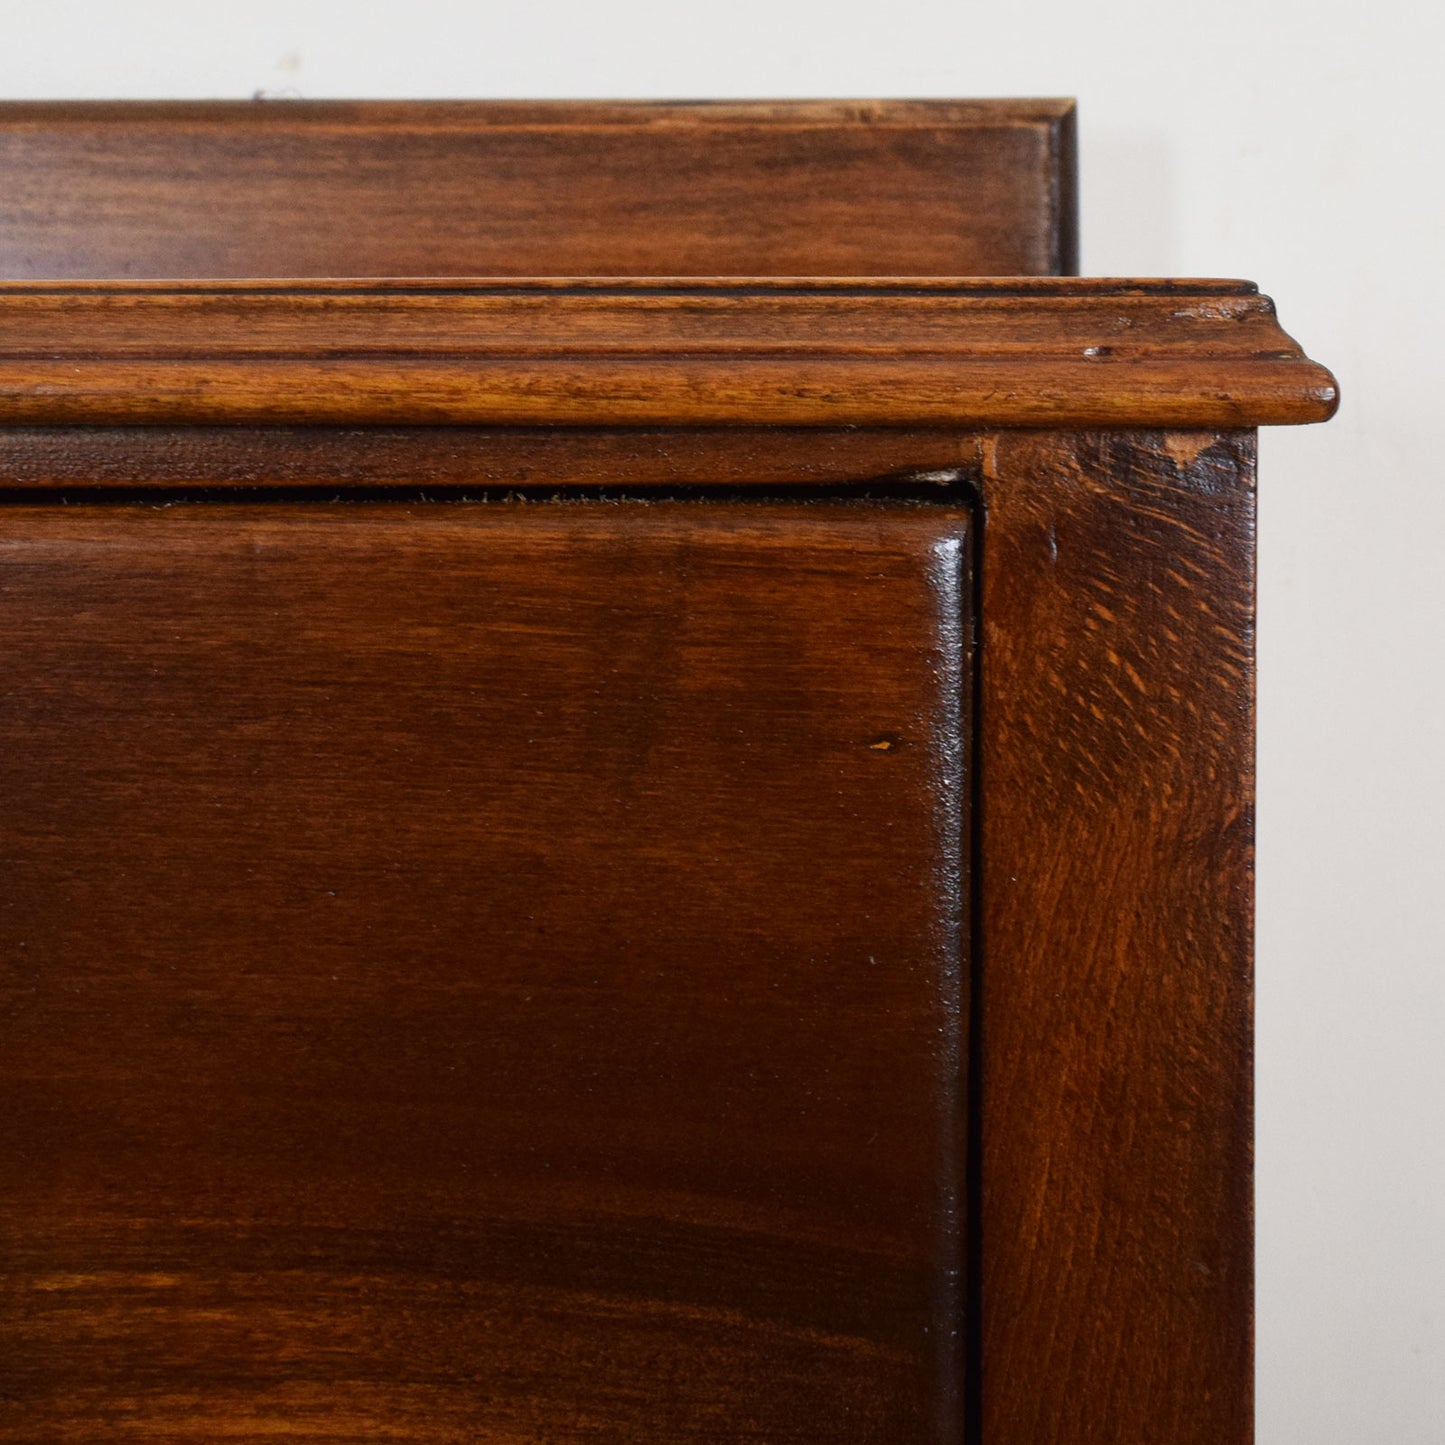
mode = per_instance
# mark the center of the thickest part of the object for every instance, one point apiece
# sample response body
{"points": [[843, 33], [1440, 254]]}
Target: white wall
{"points": [[1296, 144]]}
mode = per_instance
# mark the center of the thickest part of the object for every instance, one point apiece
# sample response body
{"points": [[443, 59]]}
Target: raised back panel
{"points": [[344, 189]]}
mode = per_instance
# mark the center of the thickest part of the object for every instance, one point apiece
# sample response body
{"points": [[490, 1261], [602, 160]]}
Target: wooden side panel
{"points": [[321, 189], [1113, 1015], [482, 972]]}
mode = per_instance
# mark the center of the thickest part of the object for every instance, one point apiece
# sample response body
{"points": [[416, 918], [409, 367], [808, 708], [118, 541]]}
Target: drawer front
{"points": [[483, 971]]}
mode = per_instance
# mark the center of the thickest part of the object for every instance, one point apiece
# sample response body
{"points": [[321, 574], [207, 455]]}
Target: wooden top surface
{"points": [[1015, 352], [458, 188]]}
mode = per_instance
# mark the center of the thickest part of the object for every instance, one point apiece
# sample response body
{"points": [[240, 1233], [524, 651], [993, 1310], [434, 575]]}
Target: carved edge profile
{"points": [[1042, 353]]}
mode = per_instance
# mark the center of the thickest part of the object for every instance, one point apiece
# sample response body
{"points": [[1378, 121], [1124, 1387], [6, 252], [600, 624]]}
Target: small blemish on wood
{"points": [[1183, 448], [885, 743]]}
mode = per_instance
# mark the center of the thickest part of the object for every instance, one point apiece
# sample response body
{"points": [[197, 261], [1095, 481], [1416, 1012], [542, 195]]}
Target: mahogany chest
{"points": [[625, 782]]}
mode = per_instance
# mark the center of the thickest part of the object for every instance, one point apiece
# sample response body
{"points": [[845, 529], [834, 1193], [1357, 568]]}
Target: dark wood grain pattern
{"points": [[442, 461], [1114, 992], [482, 972], [326, 188], [614, 966], [843, 353]]}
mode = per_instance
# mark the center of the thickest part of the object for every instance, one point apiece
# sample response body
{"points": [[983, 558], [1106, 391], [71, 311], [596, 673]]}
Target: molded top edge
{"points": [[598, 351]]}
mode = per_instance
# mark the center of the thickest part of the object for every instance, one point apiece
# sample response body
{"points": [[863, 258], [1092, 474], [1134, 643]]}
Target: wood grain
{"points": [[482, 972], [448, 461], [845, 353], [1113, 986], [596, 969], [327, 188]]}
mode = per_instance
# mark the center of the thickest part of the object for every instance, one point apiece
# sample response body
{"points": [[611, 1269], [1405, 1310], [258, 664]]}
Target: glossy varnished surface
{"points": [[328, 188], [655, 353], [482, 972], [497, 972], [1113, 987]]}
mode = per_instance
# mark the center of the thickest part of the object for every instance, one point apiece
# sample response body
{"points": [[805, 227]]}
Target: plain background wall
{"points": [[1295, 144]]}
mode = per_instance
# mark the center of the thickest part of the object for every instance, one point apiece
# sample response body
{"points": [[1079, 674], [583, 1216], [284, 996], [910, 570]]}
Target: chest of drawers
{"points": [[645, 854]]}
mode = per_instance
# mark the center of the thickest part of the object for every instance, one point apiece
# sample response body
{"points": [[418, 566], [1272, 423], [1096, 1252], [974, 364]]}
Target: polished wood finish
{"points": [[458, 460], [1014, 353], [331, 188], [1113, 986], [613, 859], [441, 1000]]}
